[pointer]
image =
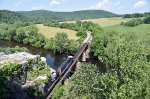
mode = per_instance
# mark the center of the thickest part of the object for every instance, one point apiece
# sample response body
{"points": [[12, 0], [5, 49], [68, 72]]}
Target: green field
{"points": [[140, 30], [106, 21], [50, 32], [113, 24], [109, 24]]}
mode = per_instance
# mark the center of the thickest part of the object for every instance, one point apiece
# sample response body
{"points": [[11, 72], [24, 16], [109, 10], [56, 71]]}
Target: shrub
{"points": [[58, 91], [147, 20], [133, 22], [81, 34]]}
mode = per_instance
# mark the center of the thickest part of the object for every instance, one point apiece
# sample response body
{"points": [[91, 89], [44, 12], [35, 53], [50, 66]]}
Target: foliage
{"points": [[136, 15], [80, 27], [11, 17], [73, 46], [133, 22], [7, 73], [126, 59], [57, 91], [139, 30], [146, 43], [84, 83], [20, 34], [34, 92], [50, 44], [147, 20], [81, 34], [36, 69], [128, 68], [61, 42], [30, 35], [126, 76], [136, 22], [11, 72], [83, 26], [43, 16]]}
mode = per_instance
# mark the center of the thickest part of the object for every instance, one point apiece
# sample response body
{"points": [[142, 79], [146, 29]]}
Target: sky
{"points": [[115, 6]]}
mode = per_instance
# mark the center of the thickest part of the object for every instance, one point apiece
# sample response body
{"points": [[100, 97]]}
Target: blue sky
{"points": [[116, 6]]}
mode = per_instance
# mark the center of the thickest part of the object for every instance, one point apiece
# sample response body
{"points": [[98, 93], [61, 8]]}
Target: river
{"points": [[53, 60]]}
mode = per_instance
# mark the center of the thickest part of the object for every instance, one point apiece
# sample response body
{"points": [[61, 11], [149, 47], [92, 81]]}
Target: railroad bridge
{"points": [[80, 55]]}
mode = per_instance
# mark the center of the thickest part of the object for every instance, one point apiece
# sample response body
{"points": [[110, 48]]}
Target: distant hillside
{"points": [[45, 15], [11, 17], [42, 16]]}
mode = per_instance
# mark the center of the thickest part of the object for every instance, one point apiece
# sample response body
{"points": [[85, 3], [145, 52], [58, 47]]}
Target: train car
{"points": [[66, 63]]}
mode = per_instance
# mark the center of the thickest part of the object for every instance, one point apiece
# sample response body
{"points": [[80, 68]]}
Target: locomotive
{"points": [[62, 68], [65, 64]]}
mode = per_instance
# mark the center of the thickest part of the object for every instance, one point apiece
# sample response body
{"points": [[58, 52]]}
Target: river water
{"points": [[53, 60]]}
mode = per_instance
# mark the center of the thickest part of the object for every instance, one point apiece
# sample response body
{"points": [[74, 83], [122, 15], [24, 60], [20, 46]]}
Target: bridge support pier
{"points": [[87, 53], [78, 63], [84, 56]]}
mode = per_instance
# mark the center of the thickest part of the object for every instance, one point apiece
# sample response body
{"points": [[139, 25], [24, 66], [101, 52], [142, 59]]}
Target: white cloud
{"points": [[102, 5], [55, 2], [139, 4]]}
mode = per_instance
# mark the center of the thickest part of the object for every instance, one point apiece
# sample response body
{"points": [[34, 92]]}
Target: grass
{"points": [[109, 24], [50, 32], [104, 22], [140, 30]]}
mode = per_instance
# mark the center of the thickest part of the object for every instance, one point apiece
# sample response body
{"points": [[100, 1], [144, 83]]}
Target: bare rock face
{"points": [[18, 86], [29, 84], [41, 78]]}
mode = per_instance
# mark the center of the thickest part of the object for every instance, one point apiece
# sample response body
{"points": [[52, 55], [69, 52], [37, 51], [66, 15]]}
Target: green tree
{"points": [[133, 22], [12, 32], [51, 44], [125, 78], [147, 20], [88, 82], [61, 42], [32, 30], [126, 59], [57, 92], [72, 46], [81, 34], [20, 34]]}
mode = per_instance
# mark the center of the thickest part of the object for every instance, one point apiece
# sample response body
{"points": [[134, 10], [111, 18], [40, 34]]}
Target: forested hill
{"points": [[11, 17], [43, 16], [76, 15]]}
